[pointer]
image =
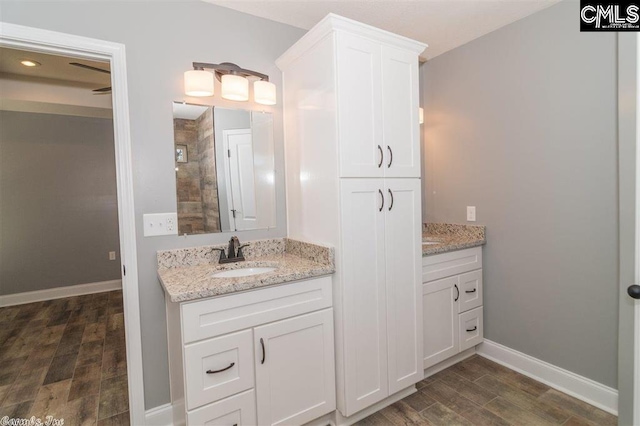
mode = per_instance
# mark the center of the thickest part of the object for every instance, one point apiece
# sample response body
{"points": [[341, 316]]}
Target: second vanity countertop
{"points": [[446, 237], [187, 274]]}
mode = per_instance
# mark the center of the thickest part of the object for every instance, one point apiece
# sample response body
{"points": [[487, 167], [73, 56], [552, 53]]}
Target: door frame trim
{"points": [[52, 42], [636, 313], [629, 226]]}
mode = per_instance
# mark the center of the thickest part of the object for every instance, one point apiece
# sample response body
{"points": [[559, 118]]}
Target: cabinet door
{"points": [[400, 113], [363, 292], [295, 370], [359, 107], [403, 232], [441, 319]]}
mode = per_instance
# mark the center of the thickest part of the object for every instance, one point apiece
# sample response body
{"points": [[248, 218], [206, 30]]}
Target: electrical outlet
{"points": [[160, 224], [471, 213], [171, 225], [112, 255]]}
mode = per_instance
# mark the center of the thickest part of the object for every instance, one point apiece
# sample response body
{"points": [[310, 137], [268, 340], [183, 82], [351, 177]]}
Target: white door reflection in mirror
{"points": [[241, 194]]}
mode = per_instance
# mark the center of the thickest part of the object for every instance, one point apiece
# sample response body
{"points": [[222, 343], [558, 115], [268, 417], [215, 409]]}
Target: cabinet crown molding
{"points": [[336, 23]]}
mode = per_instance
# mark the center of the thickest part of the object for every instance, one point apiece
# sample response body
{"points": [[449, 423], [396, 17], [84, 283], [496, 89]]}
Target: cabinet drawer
{"points": [[452, 263], [225, 314], [470, 291], [217, 368], [471, 329], [237, 410]]}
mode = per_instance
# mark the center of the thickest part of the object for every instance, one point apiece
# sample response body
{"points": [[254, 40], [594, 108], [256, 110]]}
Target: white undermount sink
{"points": [[243, 272]]}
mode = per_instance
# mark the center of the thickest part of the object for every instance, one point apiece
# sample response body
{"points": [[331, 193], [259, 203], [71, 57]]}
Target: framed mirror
{"points": [[224, 161]]}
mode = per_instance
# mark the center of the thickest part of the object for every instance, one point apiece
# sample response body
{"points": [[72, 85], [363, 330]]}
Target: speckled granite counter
{"points": [[450, 237], [186, 274]]}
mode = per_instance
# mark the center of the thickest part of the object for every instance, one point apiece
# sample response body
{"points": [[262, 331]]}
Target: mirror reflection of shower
{"points": [[225, 177]]}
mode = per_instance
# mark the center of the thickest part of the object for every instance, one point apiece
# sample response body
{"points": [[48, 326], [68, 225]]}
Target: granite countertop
{"points": [[450, 237], [186, 274]]}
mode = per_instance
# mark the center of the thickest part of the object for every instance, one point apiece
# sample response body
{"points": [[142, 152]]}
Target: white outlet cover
{"points": [[156, 224], [471, 213]]}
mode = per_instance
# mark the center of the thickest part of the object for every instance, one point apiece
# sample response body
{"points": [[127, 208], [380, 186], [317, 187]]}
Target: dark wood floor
{"points": [[480, 392], [65, 358]]}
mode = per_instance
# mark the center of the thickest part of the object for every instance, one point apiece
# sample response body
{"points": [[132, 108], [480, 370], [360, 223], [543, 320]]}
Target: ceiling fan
{"points": [[102, 90]]}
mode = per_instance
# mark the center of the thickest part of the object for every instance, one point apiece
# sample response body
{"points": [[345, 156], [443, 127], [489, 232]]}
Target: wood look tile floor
{"points": [[65, 358], [477, 391]]}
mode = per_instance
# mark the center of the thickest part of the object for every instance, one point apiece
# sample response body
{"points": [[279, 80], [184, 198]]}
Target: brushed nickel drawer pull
{"points": [[221, 370], [470, 291], [473, 329]]}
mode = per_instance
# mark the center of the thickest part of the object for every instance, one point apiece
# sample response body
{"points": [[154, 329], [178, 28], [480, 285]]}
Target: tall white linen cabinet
{"points": [[352, 151]]}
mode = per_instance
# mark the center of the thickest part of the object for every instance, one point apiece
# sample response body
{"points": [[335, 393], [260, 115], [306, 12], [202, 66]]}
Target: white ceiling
{"points": [[442, 24], [53, 68], [188, 111]]}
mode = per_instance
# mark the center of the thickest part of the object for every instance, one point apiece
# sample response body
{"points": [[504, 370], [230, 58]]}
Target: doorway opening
{"points": [[110, 57], [60, 276]]}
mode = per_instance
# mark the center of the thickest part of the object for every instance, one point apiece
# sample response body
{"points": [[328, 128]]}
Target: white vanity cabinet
{"points": [[352, 154], [263, 357], [451, 303]]}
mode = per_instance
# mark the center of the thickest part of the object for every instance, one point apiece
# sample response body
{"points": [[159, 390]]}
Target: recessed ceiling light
{"points": [[28, 63]]}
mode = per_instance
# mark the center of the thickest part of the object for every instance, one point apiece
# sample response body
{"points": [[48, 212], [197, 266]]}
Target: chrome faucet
{"points": [[234, 251]]}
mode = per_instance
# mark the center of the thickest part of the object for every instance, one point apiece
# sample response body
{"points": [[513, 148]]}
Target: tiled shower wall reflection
{"points": [[196, 180]]}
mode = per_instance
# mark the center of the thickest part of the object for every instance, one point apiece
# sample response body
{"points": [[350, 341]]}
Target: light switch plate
{"points": [[156, 224], [471, 213]]}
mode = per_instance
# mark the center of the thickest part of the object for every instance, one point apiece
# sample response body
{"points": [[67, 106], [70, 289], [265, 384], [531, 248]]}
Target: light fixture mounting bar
{"points": [[229, 68]]}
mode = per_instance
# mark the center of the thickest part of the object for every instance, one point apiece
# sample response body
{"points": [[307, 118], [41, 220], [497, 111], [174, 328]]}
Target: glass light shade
{"points": [[235, 87], [421, 115], [198, 83], [264, 92]]}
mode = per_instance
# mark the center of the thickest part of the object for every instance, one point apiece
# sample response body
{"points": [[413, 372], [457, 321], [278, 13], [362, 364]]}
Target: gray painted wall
{"points": [[162, 40], [58, 206], [521, 123]]}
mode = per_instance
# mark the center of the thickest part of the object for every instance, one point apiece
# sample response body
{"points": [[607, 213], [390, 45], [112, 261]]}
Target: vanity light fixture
{"points": [[198, 83], [234, 82], [264, 92], [235, 87]]}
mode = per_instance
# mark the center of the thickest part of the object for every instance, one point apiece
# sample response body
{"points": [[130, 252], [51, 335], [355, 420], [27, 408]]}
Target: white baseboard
{"points": [[59, 292], [159, 416], [580, 387]]}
